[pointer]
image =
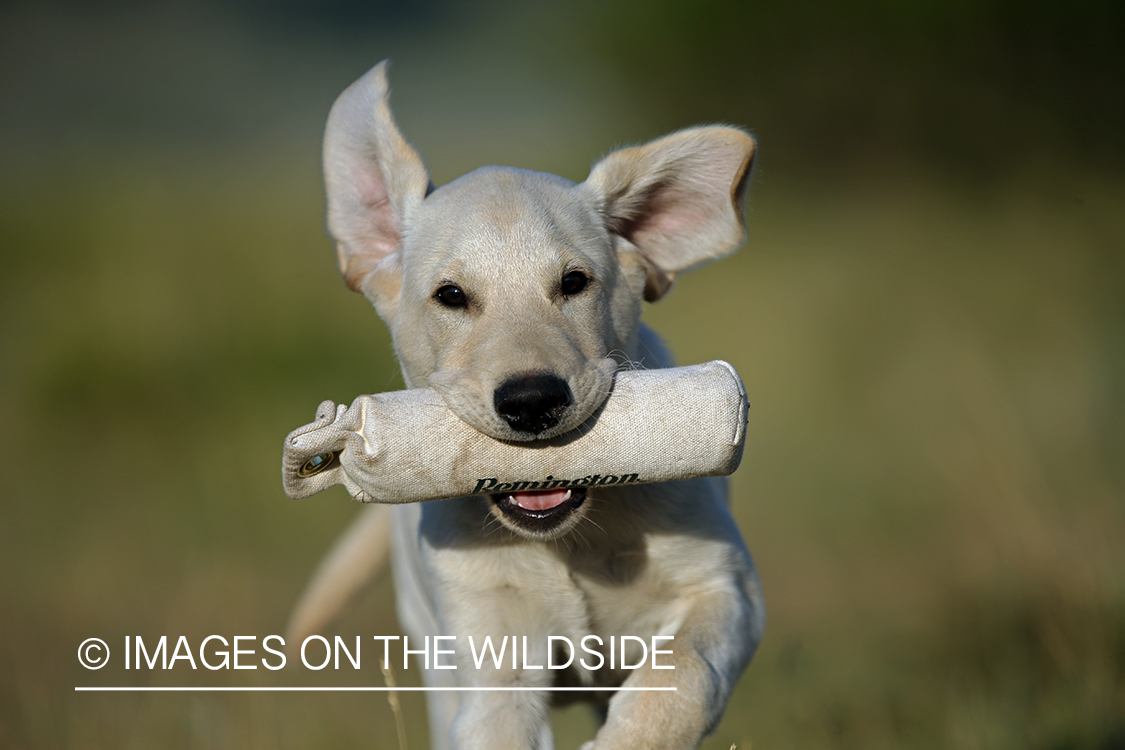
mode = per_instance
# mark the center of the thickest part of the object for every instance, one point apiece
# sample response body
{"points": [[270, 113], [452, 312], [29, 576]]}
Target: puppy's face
{"points": [[513, 299], [509, 291]]}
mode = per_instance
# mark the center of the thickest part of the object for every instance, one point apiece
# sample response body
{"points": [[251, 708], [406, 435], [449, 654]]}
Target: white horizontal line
{"points": [[371, 689]]}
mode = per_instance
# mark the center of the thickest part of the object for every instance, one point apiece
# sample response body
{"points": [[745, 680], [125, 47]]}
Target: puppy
{"points": [[517, 295]]}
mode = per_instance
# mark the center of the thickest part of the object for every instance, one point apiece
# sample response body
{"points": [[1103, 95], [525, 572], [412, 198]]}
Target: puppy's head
{"points": [[508, 291]]}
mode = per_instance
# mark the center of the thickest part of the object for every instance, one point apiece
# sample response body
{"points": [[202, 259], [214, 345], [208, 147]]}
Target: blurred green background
{"points": [[929, 315]]}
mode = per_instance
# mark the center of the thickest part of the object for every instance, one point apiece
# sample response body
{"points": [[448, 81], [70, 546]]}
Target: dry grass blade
{"points": [[392, 698]]}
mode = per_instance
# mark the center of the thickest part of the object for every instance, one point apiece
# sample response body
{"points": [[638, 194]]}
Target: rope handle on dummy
{"points": [[407, 446]]}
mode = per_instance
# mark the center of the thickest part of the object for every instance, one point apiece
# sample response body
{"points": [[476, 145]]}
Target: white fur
{"points": [[646, 561]]}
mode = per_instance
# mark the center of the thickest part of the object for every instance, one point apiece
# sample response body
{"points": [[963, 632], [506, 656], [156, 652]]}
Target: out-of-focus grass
{"points": [[932, 486]]}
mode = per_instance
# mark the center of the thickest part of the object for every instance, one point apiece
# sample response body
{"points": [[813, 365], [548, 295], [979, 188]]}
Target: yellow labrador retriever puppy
{"points": [[516, 295]]}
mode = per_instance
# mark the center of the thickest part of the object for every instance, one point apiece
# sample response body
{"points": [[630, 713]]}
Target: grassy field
{"points": [[933, 486]]}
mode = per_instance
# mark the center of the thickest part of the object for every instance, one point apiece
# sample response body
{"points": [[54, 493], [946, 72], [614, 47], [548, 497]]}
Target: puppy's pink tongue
{"points": [[543, 500]]}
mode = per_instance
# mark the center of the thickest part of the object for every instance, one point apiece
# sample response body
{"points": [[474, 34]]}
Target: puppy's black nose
{"points": [[532, 403]]}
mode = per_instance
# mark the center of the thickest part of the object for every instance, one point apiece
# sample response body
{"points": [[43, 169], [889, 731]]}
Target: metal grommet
{"points": [[316, 464]]}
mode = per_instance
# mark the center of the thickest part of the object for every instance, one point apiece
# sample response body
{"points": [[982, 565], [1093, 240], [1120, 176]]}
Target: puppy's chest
{"points": [[608, 592], [627, 592]]}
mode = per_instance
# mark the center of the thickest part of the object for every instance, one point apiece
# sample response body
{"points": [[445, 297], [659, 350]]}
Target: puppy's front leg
{"points": [[497, 717], [708, 655], [490, 662], [503, 720]]}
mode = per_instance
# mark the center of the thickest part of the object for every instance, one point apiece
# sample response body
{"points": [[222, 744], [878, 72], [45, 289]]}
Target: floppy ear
{"points": [[373, 180], [678, 200]]}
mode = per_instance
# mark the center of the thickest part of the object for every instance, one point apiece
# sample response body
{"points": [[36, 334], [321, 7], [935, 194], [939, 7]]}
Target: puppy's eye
{"points": [[451, 296], [573, 283]]}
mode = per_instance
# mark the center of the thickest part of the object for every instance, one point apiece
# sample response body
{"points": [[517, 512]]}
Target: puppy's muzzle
{"points": [[533, 403], [541, 514]]}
